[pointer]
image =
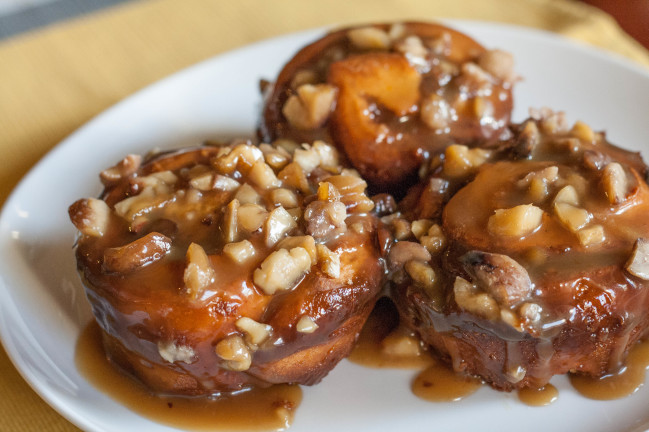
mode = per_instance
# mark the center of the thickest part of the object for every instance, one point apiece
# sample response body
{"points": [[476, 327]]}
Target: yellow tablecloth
{"points": [[55, 79]]}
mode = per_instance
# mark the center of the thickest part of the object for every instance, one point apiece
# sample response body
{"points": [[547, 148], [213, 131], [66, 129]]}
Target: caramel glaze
{"points": [[270, 408], [592, 308], [379, 129], [543, 396], [140, 309]]}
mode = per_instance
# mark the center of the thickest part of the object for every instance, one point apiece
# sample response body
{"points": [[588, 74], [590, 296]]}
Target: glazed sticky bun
{"points": [[390, 95], [217, 268], [529, 259]]}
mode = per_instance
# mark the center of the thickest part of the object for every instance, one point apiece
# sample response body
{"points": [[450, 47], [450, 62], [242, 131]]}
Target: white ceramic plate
{"points": [[43, 309]]}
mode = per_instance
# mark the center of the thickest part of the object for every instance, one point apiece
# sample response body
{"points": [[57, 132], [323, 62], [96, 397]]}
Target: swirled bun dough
{"points": [[214, 269], [390, 95], [530, 260]]}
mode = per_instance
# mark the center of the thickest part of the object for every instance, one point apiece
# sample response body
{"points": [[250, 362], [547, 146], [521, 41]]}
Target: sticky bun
{"points": [[389, 95], [527, 260], [218, 268]]}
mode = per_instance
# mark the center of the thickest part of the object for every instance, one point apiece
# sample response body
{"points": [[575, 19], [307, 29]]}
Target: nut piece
{"points": [[329, 261], [460, 160], [404, 251], [199, 273], [468, 298], [421, 273], [516, 221], [279, 222], [284, 197], [124, 168], [246, 194], [254, 332], [568, 195], [310, 107], [306, 324], [530, 313], [90, 216], [282, 270], [145, 250], [434, 241], [498, 63], [172, 352], [591, 236], [436, 112], [234, 351], [499, 275], [582, 131], [574, 218], [324, 218], [240, 251], [230, 221], [263, 175], [614, 182], [251, 217], [420, 227], [318, 154], [306, 242], [638, 263], [369, 38]]}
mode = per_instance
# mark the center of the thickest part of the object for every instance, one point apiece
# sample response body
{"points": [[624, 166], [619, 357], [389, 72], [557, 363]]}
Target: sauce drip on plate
{"points": [[259, 409]]}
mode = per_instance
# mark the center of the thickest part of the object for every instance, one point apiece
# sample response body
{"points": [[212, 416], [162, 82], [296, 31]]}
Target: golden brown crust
{"points": [[216, 268], [443, 87], [532, 254]]}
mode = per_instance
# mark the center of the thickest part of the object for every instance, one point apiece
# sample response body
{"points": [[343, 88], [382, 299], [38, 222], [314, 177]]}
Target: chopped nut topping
{"points": [[279, 222], [435, 240], [574, 218], [568, 195], [143, 251], [254, 332], [468, 298], [499, 275], [293, 175], [324, 218], [304, 76], [638, 263], [243, 154], [499, 64], [240, 251], [420, 227], [199, 273], [368, 38], [436, 112], [123, 169], [282, 269], [234, 351], [329, 261], [230, 221], [404, 251], [352, 192], [591, 236], [414, 50], [251, 217], [306, 242], [172, 352], [530, 313], [310, 106], [263, 175], [615, 183], [516, 221], [90, 216], [421, 273], [400, 343], [318, 154], [246, 194], [328, 192], [306, 324], [284, 197], [460, 160], [537, 182], [583, 132], [401, 228]]}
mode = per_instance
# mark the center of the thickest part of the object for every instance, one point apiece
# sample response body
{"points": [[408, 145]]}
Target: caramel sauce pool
{"points": [[616, 386], [257, 410], [539, 397]]}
